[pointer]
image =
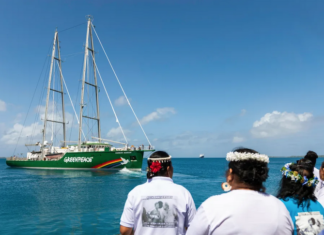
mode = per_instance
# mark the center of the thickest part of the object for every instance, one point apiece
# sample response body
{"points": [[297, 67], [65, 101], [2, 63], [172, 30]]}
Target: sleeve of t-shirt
{"points": [[316, 173], [199, 225], [285, 226], [191, 211], [127, 218], [321, 208]]}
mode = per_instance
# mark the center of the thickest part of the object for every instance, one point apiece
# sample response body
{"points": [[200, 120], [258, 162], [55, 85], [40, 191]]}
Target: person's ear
{"points": [[230, 176], [170, 171]]}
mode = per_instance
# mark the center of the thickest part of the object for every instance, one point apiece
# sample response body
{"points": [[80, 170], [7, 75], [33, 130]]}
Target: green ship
{"points": [[95, 154]]}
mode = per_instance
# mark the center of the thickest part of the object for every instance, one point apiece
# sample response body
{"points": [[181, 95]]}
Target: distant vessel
{"points": [[201, 156], [84, 154]]}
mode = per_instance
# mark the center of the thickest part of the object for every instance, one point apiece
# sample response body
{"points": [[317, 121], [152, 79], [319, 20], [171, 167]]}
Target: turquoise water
{"points": [[91, 202]]}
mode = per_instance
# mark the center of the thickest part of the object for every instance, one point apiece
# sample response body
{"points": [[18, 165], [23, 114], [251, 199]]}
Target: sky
{"points": [[202, 76]]}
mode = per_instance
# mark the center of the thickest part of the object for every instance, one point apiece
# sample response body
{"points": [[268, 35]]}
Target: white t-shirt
{"points": [[319, 190], [320, 197], [242, 212], [316, 172], [158, 207]]}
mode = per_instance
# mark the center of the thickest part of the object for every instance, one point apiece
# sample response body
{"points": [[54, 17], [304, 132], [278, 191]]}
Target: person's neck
{"points": [[162, 176], [242, 186]]}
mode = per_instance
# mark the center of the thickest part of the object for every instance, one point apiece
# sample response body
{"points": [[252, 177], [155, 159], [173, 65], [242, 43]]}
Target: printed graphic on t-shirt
{"points": [[159, 212], [309, 223]]}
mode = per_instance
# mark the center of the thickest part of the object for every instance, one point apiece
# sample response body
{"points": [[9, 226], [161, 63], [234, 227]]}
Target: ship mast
{"points": [[95, 85], [55, 45]]}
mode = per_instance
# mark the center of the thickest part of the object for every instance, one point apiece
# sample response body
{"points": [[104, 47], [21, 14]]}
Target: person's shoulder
{"points": [[273, 198], [215, 200], [181, 189], [317, 204], [290, 204], [321, 201], [137, 189], [281, 203]]}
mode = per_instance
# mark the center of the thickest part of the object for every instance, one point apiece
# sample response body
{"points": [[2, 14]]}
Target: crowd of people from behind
{"points": [[161, 207]]}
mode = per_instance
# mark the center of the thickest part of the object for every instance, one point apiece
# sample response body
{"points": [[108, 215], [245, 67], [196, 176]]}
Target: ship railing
{"points": [[17, 158], [141, 147], [150, 147]]}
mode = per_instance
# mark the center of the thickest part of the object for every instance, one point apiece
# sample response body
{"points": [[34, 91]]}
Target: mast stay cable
{"points": [[31, 102], [38, 107], [67, 90], [120, 85], [53, 104], [78, 90], [71, 27], [109, 100]]}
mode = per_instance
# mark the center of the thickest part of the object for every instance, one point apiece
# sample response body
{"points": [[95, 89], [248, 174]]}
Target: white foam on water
{"points": [[180, 175], [126, 171]]}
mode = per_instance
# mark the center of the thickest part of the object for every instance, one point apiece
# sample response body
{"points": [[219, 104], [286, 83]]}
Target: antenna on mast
{"points": [[89, 17]]}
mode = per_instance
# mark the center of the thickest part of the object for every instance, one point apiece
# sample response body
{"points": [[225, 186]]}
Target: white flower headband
{"points": [[236, 156], [160, 159]]}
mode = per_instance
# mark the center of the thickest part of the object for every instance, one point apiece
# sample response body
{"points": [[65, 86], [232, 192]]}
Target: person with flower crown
{"points": [[159, 206], [319, 189], [296, 191], [246, 209]]}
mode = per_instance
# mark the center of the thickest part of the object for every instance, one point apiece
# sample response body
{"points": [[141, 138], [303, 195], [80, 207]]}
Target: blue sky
{"points": [[203, 76]]}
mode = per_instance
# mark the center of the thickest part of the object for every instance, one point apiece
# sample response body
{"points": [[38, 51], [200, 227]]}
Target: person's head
{"points": [[312, 156], [166, 206], [321, 171], [158, 205], [159, 164], [298, 182], [247, 169]]}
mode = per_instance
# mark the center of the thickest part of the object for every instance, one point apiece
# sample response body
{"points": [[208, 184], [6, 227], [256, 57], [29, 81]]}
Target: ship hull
{"points": [[112, 160]]}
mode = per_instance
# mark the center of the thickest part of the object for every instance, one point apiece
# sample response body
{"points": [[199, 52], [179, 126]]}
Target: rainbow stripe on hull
{"points": [[109, 164]]}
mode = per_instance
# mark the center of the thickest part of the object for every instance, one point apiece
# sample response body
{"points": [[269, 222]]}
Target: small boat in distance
{"points": [[201, 156]]}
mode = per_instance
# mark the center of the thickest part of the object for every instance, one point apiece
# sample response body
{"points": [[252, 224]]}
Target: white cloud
{"points": [[116, 134], [237, 139], [279, 124], [53, 114], [12, 135], [3, 106], [35, 129], [160, 113], [243, 112], [236, 117], [18, 118], [121, 101]]}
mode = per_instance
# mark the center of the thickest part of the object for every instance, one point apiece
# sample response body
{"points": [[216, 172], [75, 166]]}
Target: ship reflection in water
{"points": [[67, 173]]}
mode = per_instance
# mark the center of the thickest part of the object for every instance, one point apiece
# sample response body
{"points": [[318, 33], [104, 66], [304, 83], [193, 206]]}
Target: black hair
{"points": [[313, 221], [164, 164], [251, 172], [160, 204], [301, 194], [311, 156]]}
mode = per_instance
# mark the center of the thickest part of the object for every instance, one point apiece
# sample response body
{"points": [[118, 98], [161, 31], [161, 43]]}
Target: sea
{"points": [[91, 202]]}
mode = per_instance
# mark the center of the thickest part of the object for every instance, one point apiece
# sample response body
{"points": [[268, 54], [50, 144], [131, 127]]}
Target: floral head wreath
{"points": [[295, 176], [236, 156], [156, 165]]}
